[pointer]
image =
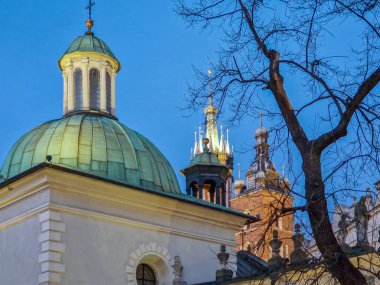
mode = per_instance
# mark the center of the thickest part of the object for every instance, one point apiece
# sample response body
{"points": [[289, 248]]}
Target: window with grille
{"points": [[94, 89], [145, 275], [78, 89]]}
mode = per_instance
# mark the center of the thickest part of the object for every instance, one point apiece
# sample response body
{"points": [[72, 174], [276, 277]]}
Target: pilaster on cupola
{"points": [[89, 71]]}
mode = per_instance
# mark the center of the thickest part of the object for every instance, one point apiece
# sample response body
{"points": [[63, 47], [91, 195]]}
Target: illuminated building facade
{"points": [[86, 200]]}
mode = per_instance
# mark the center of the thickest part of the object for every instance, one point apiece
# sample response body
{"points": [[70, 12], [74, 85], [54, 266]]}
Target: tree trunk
{"points": [[337, 262]]}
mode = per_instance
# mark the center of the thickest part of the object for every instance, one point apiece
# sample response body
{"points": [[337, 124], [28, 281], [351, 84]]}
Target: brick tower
{"points": [[264, 195]]}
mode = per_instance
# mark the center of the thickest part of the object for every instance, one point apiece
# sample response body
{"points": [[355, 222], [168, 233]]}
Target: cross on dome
{"points": [[89, 74], [90, 22], [89, 8]]}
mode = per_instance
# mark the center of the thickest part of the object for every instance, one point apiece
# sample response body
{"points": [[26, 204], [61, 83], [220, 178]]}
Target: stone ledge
{"points": [[49, 236], [45, 278], [53, 246], [49, 256], [52, 267], [53, 226], [50, 216]]}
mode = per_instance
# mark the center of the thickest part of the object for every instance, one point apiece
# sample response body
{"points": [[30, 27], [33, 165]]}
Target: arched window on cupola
{"points": [[193, 189], [78, 89], [94, 89], [108, 92]]}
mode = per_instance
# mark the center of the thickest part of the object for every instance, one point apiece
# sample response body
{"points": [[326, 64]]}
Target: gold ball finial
{"points": [[89, 24], [205, 148]]}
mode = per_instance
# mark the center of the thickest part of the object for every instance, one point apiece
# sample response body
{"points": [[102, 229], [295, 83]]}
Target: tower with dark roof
{"points": [[206, 177], [211, 176], [264, 195]]}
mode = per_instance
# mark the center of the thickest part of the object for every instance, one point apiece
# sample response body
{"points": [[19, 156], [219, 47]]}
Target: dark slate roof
{"points": [[249, 265]]}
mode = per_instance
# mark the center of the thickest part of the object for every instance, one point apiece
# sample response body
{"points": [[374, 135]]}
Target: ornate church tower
{"points": [[262, 173], [216, 148], [265, 194]]}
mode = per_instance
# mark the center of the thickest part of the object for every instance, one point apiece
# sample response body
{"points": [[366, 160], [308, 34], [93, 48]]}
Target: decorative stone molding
{"points": [[156, 256], [52, 248]]}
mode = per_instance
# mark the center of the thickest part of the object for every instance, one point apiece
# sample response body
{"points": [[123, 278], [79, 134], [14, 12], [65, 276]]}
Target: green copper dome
{"points": [[97, 145], [205, 158], [88, 42]]}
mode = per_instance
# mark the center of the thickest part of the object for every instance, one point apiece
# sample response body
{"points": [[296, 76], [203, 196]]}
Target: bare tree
{"points": [[337, 84]]}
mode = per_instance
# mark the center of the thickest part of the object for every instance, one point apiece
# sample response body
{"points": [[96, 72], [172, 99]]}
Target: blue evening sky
{"points": [[156, 51]]}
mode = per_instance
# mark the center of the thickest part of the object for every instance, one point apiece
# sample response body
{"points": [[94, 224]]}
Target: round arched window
{"points": [[94, 89], [108, 92], [145, 275], [78, 89]]}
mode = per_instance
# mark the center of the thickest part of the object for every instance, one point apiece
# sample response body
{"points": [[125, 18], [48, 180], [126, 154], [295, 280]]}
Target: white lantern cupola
{"points": [[89, 70]]}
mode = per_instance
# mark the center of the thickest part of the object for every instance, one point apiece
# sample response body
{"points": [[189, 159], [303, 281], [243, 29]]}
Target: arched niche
{"points": [[155, 256]]}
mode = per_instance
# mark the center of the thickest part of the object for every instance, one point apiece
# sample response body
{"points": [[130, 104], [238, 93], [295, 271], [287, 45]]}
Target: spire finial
{"points": [[283, 170], [206, 142], [200, 144], [210, 84], [239, 170], [90, 22], [261, 119], [196, 148], [228, 142]]}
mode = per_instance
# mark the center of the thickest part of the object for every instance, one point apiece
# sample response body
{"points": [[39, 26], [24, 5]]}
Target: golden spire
{"points": [[210, 112], [210, 84]]}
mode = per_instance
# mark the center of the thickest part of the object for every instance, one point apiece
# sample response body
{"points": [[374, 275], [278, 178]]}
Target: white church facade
{"points": [[86, 200]]}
